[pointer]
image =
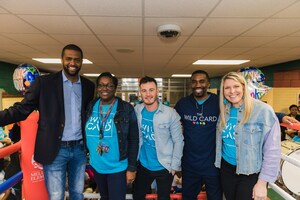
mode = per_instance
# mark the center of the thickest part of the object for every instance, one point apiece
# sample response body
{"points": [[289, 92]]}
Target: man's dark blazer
{"points": [[46, 95]]}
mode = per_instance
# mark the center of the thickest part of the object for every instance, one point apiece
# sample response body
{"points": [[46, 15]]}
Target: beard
{"points": [[71, 72], [199, 92]]}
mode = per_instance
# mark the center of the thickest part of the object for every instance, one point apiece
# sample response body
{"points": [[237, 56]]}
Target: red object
{"points": [[201, 196], [295, 126], [10, 149], [33, 186]]}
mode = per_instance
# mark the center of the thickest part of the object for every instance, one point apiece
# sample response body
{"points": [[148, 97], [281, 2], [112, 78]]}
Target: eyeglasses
{"points": [[109, 86]]}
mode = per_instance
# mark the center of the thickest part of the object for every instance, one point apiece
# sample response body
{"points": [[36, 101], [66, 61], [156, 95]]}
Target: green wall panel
{"points": [[6, 77]]}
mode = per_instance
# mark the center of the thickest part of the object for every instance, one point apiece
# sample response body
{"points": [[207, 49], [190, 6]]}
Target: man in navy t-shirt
{"points": [[199, 114]]}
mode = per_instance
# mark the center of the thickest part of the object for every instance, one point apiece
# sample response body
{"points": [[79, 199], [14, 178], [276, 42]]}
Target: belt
{"points": [[71, 143]]}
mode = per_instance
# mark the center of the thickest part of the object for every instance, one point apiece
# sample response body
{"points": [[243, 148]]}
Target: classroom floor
{"points": [[273, 195]]}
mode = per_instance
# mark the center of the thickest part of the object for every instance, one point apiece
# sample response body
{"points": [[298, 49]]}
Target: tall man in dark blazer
{"points": [[61, 100]]}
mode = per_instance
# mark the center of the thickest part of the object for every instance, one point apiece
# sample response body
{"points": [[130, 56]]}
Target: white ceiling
{"points": [[265, 31]]}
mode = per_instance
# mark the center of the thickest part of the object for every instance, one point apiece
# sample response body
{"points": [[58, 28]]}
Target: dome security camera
{"points": [[168, 31]]}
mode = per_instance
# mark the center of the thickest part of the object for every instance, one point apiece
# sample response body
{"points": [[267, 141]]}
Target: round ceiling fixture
{"points": [[169, 31]]}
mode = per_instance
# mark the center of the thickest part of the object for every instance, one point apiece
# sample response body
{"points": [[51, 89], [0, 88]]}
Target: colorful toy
{"points": [[24, 75], [256, 80]]}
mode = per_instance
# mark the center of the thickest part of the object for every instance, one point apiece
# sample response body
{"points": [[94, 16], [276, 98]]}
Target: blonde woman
{"points": [[248, 141]]}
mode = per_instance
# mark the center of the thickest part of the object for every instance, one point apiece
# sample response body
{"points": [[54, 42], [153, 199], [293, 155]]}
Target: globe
{"points": [[24, 75]]}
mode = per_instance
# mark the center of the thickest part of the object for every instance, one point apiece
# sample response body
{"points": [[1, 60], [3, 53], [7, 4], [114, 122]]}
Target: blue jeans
{"points": [[70, 160]]}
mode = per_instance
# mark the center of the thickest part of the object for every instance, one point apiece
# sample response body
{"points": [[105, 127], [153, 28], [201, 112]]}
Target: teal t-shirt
{"points": [[109, 162], [200, 102], [2, 133], [228, 147], [148, 156], [296, 138]]}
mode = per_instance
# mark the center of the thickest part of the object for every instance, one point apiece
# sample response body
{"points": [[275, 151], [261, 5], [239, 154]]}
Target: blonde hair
{"points": [[224, 105]]}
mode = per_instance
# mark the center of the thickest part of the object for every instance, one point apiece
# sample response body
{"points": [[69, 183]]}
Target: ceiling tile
{"points": [[134, 57], [271, 60], [108, 8], [154, 41], [35, 54], [52, 51], [18, 48], [208, 42], [249, 41], [194, 51], [4, 56], [160, 50], [264, 51], [2, 10], [121, 41], [36, 7], [95, 51], [58, 24], [162, 59], [180, 8], [96, 68], [32, 39], [229, 51], [288, 42], [225, 26], [183, 60], [293, 51], [292, 11], [15, 25], [296, 34], [81, 40], [115, 25], [105, 62], [6, 41], [249, 8], [275, 27], [247, 57]]}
